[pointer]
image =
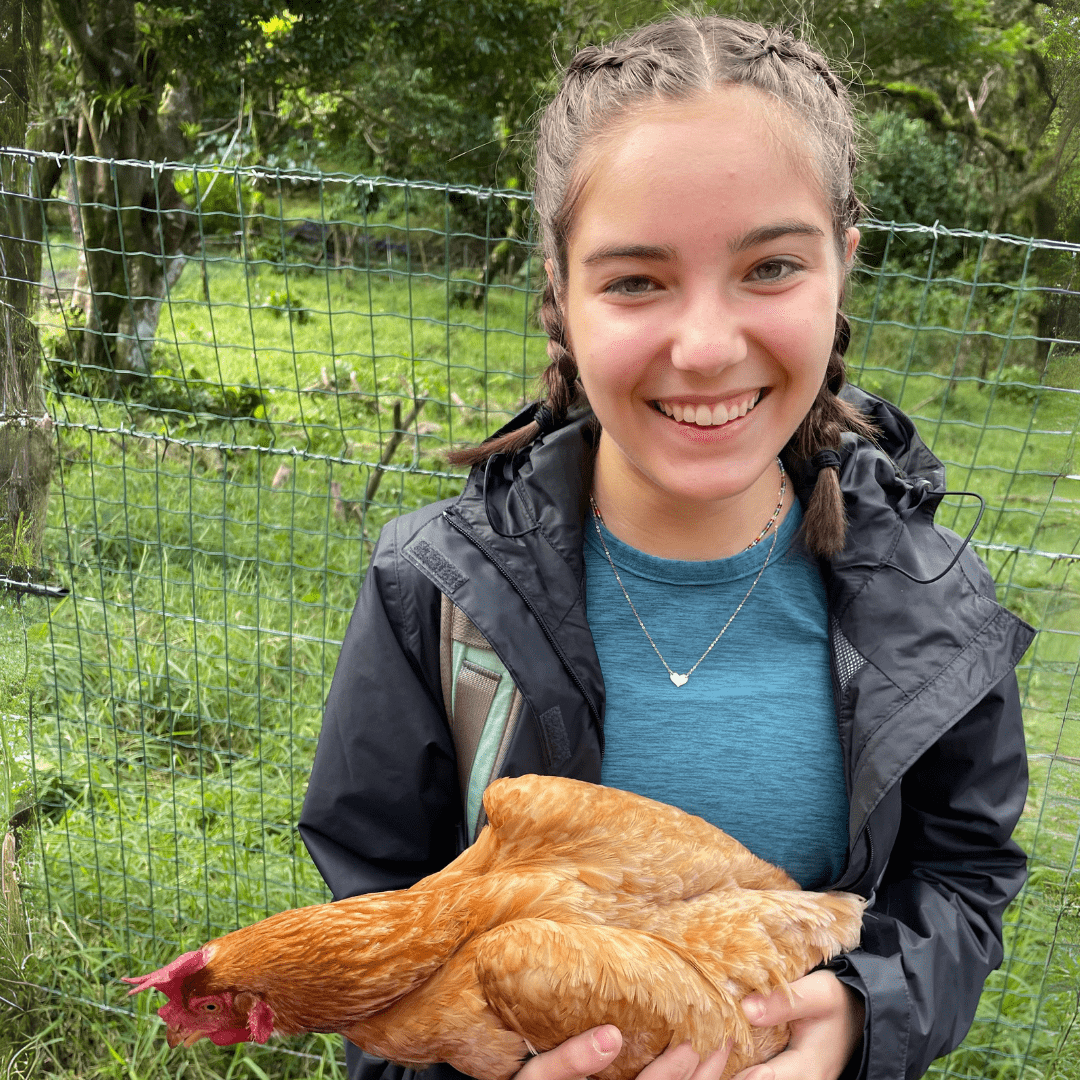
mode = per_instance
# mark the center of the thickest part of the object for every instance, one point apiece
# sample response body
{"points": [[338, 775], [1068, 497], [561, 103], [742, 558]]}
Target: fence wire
{"points": [[251, 371]]}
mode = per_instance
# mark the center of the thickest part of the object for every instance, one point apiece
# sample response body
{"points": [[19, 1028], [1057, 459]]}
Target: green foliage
{"points": [[389, 87], [1014, 383], [105, 104], [280, 304], [224, 201], [912, 173], [20, 630], [22, 634], [16, 547], [188, 394], [1060, 49]]}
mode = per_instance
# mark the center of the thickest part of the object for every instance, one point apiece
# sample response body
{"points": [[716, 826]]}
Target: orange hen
{"points": [[577, 906]]}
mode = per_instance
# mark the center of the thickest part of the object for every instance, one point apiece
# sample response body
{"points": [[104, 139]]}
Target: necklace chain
{"points": [[676, 678]]}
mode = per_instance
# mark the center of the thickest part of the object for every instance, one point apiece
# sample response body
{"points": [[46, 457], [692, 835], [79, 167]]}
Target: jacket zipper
{"points": [[490, 556]]}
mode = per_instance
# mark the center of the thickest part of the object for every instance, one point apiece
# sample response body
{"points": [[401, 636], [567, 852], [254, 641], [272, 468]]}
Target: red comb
{"points": [[169, 978]]}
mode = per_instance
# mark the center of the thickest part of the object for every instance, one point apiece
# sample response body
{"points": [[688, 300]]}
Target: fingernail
{"points": [[754, 1008], [606, 1040]]}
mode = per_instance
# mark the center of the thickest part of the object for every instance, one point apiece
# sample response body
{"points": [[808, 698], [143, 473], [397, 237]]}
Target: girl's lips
{"points": [[709, 415]]}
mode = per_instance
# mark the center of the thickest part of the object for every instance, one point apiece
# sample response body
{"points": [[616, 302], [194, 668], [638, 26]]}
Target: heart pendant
{"points": [[679, 680]]}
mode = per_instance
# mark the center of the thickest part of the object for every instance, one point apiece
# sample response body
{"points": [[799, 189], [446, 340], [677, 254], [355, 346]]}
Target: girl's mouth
{"points": [[705, 415]]}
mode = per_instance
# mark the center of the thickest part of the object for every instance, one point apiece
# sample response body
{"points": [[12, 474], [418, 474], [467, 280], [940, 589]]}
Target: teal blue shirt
{"points": [[750, 743]]}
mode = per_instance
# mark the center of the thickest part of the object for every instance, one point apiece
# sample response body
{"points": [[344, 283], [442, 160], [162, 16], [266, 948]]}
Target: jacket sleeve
{"points": [[382, 808], [933, 932]]}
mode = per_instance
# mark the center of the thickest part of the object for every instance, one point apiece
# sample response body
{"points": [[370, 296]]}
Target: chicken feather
{"points": [[578, 905]]}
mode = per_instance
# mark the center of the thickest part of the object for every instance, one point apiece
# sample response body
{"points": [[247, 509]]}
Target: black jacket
{"points": [[927, 708]]}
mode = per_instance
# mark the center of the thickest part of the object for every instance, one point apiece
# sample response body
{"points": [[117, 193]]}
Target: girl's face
{"points": [[701, 296]]}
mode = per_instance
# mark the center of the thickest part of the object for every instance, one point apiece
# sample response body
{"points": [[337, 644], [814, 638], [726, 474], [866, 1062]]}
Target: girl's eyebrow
{"points": [[664, 253], [764, 233], [655, 253]]}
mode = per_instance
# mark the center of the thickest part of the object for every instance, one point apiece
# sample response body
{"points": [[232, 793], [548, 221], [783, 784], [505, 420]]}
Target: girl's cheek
{"points": [[629, 334]]}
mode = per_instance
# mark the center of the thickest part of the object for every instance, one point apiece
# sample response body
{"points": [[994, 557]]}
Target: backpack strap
{"points": [[482, 704]]}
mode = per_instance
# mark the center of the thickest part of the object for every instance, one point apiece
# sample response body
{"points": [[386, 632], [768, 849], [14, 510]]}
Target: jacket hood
{"points": [[542, 489], [897, 437]]}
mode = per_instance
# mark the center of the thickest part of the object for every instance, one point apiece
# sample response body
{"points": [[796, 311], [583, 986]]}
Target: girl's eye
{"points": [[630, 286], [773, 270]]}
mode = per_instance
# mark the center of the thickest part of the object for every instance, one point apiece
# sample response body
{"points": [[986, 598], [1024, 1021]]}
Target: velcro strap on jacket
{"points": [[483, 707]]}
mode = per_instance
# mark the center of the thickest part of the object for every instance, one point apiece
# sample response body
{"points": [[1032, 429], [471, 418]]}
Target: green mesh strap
{"points": [[483, 707]]}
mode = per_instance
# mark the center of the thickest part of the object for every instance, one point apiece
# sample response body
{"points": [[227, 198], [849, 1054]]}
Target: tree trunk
{"points": [[134, 226], [134, 229], [26, 442]]}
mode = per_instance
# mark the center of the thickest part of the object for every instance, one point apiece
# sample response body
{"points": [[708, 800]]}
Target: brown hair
{"points": [[673, 60]]}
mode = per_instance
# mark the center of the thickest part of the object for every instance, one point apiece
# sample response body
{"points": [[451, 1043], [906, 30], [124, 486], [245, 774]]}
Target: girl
{"points": [[711, 577]]}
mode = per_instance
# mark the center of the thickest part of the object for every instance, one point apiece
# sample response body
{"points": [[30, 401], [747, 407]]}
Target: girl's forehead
{"points": [[726, 141]]}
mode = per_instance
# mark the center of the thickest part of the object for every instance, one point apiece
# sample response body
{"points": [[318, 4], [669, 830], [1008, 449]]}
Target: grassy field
{"points": [[214, 529]]}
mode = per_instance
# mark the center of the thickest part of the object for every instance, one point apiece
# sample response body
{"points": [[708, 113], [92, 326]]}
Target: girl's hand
{"points": [[591, 1051], [826, 1019]]}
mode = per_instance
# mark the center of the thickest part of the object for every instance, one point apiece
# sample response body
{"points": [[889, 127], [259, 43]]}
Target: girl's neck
{"points": [[659, 523]]}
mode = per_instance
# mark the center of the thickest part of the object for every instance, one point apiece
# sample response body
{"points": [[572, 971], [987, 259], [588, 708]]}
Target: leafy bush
{"points": [[280, 303], [227, 202], [188, 393], [1018, 384], [912, 174]]}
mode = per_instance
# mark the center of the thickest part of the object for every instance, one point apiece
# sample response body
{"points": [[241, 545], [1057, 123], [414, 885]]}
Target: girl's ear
{"points": [[549, 269], [850, 244]]}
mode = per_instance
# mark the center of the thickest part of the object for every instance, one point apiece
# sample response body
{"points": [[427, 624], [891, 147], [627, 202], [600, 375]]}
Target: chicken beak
{"points": [[176, 1036]]}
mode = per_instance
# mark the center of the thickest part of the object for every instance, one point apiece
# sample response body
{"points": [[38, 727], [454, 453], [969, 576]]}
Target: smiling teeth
{"points": [[706, 416]]}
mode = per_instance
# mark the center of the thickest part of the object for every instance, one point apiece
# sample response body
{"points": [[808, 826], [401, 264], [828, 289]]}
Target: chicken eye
{"points": [[209, 1006]]}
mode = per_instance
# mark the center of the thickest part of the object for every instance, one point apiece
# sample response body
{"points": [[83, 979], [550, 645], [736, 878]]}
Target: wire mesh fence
{"points": [[249, 372]]}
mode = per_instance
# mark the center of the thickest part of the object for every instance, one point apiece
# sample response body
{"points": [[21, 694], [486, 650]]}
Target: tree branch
{"points": [[72, 18], [392, 443], [928, 106]]}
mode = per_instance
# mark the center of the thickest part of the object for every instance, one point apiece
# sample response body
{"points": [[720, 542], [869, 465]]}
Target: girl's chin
{"points": [[688, 486], [687, 463]]}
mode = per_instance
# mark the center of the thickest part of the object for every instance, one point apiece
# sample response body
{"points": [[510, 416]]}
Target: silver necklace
{"points": [[676, 678]]}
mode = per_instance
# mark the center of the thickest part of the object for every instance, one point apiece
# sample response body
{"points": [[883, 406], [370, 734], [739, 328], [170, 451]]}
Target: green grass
{"points": [[214, 563]]}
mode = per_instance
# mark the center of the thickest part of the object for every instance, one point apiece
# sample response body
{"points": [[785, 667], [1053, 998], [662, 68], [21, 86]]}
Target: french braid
{"points": [[560, 376], [825, 520]]}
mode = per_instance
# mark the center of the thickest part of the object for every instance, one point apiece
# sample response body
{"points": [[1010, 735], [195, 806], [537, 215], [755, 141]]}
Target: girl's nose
{"points": [[709, 335]]}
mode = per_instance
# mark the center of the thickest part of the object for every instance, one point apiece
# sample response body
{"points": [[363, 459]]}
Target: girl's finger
{"points": [[577, 1058], [683, 1063], [713, 1065], [817, 994], [819, 1060], [676, 1063]]}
